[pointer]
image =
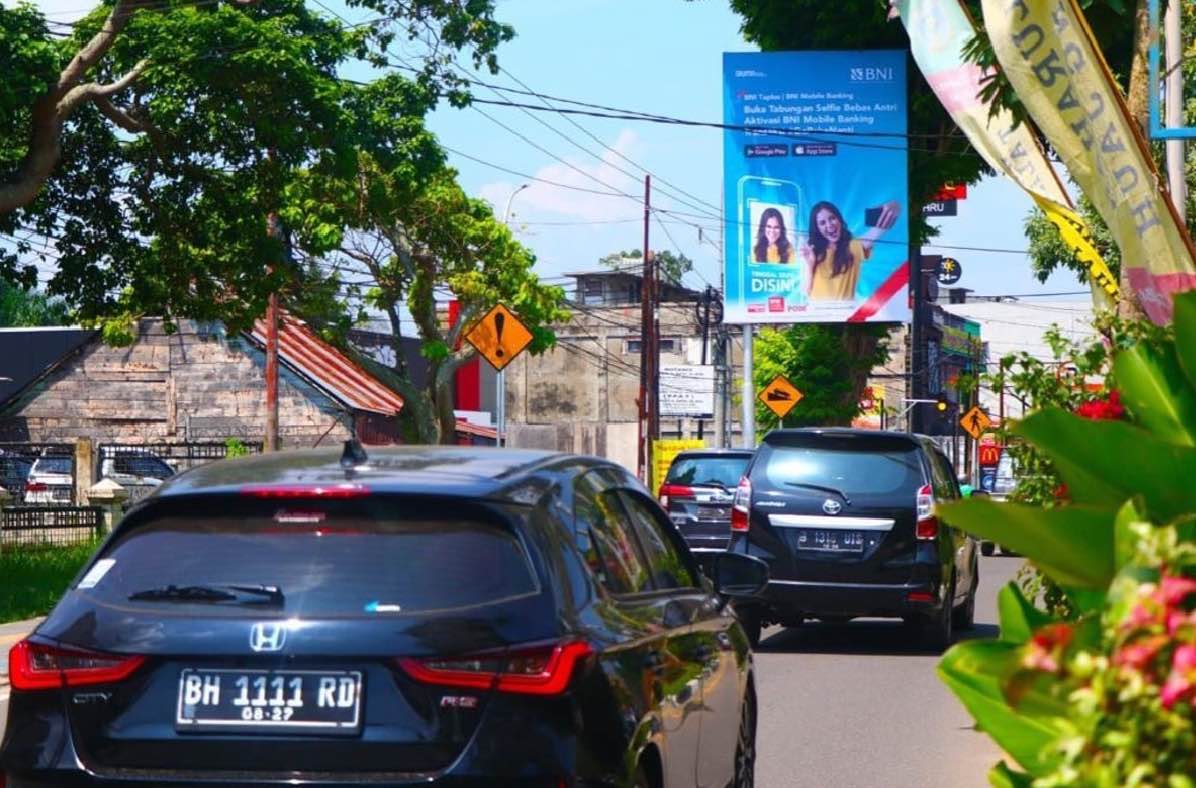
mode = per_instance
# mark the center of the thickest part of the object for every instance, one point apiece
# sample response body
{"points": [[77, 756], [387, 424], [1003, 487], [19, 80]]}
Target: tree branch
{"points": [[51, 111]]}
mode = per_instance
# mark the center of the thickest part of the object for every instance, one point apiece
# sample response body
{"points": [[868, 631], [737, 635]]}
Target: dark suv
{"points": [[846, 521], [441, 616], [697, 493]]}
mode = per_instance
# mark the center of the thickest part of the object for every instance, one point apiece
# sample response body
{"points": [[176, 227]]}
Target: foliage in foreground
{"points": [[1107, 697], [35, 578]]}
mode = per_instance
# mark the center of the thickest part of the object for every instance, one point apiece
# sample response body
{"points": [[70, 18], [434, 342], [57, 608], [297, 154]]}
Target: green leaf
{"points": [[1071, 544], [1125, 541], [1108, 462], [1018, 617], [1184, 322], [1001, 776], [975, 671], [1153, 386]]}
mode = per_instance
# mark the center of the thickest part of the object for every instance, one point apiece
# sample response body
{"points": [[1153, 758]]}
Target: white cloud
{"points": [[60, 10], [567, 199]]}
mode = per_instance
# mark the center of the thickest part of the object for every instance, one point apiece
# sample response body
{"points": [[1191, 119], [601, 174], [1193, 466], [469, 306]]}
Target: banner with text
{"points": [[938, 32], [1060, 76], [816, 182]]}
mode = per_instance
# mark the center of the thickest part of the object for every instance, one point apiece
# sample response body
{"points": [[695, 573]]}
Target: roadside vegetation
{"points": [[34, 578]]}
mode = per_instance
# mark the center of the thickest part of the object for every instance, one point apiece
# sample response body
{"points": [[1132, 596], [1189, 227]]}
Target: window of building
{"points": [[666, 345]]}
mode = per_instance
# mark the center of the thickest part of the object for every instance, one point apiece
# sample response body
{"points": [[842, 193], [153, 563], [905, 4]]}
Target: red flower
{"points": [[1180, 684], [1045, 648], [1109, 409], [1140, 654], [1175, 589]]}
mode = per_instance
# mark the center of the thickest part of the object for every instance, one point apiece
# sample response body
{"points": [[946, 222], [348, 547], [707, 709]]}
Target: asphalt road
{"points": [[857, 704]]}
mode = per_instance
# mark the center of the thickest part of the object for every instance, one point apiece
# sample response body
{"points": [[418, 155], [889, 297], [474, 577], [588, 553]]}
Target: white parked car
{"points": [[139, 471], [51, 481]]}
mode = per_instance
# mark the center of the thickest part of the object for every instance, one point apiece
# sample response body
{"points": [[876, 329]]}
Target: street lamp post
{"points": [[500, 380]]}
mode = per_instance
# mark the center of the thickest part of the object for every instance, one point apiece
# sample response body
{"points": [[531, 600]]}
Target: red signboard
{"points": [[989, 455], [951, 191]]}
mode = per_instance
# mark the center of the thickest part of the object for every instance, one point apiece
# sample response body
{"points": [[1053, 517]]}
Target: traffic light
{"points": [[941, 404]]}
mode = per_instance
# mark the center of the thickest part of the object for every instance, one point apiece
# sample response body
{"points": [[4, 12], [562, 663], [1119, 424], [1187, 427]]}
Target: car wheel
{"points": [[965, 614], [987, 548], [745, 745], [938, 630]]}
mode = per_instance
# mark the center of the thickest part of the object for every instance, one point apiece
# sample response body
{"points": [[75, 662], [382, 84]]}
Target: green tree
{"points": [[154, 141], [412, 243], [812, 357], [19, 307], [672, 266]]}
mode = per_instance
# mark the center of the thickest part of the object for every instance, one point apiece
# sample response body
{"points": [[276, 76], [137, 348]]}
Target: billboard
{"points": [[816, 187]]}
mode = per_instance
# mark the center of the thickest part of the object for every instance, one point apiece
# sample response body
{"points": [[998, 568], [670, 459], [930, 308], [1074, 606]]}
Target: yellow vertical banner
{"points": [[663, 452], [1046, 50], [938, 32]]}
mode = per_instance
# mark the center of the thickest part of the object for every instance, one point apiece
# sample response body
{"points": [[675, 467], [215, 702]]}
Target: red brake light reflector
{"points": [[927, 526], [668, 491], [306, 491], [920, 596], [740, 505], [32, 666], [541, 670], [36, 487]]}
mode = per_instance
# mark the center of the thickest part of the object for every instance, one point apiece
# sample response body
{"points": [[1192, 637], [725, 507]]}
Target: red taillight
{"points": [[920, 596], [674, 490], [36, 487], [306, 491], [32, 666], [542, 670], [740, 505], [927, 526]]}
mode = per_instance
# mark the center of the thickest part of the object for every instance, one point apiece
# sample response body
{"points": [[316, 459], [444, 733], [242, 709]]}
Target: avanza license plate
{"points": [[324, 701], [831, 540]]}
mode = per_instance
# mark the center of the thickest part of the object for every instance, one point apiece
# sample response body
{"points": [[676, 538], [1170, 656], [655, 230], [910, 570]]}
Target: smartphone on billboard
{"points": [[872, 216], [767, 202]]}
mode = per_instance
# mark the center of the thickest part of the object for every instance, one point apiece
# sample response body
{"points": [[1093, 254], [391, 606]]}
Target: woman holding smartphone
{"points": [[833, 255]]}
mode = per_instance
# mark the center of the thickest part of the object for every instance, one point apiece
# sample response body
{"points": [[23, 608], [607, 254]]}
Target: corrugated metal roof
{"points": [[301, 350]]}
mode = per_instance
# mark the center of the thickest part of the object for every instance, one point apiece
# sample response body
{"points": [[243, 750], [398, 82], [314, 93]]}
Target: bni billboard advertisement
{"points": [[815, 170]]}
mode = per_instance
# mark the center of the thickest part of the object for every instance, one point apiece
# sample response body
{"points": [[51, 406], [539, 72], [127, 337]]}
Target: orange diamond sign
{"points": [[780, 396], [975, 422], [499, 336]]}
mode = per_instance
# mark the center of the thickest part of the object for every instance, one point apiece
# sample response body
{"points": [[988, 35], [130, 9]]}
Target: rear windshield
{"points": [[324, 562], [850, 469], [719, 471], [54, 465]]}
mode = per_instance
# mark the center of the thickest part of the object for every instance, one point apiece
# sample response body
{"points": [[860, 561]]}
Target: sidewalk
{"points": [[9, 634]]}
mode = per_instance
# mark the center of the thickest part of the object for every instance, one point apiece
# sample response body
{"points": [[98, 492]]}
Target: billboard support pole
{"points": [[645, 451], [749, 396]]}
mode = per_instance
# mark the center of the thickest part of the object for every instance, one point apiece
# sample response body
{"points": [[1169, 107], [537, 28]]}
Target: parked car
{"points": [[697, 493], [14, 473], [139, 471], [846, 521], [51, 480], [433, 616]]}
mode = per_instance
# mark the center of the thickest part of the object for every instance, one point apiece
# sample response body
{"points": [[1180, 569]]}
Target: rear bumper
{"points": [[404, 780], [788, 599]]}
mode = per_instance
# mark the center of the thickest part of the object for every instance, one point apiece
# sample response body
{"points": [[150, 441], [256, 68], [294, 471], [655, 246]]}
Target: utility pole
{"points": [[749, 398], [918, 357], [500, 379], [654, 414], [645, 409], [1174, 108], [275, 231], [704, 322]]}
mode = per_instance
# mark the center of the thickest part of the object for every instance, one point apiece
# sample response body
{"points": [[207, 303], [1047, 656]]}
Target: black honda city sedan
{"points": [[427, 616]]}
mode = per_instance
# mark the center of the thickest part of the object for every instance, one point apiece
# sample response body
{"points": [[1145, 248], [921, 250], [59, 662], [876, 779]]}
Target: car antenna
{"points": [[353, 454]]}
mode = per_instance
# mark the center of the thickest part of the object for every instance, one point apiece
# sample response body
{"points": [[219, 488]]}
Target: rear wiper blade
{"points": [[207, 593], [821, 488], [712, 483]]}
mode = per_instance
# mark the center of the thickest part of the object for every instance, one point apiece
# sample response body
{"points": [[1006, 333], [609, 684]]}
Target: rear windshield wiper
{"points": [[271, 594], [821, 488], [712, 483]]}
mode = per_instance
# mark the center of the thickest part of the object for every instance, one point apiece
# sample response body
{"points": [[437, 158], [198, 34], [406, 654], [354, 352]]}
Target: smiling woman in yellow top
{"points": [[772, 243], [833, 256]]}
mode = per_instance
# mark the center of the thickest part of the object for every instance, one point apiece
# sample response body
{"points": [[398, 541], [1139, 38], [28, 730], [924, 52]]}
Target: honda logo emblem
{"points": [[831, 506], [267, 636]]}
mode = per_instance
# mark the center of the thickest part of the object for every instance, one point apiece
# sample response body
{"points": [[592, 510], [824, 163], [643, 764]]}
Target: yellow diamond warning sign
{"points": [[499, 336], [780, 396], [975, 422]]}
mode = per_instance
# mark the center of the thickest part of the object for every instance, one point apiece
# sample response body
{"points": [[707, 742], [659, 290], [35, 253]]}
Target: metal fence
{"points": [[49, 526]]}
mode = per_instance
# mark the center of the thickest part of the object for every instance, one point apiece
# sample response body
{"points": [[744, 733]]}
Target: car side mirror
{"points": [[738, 576]]}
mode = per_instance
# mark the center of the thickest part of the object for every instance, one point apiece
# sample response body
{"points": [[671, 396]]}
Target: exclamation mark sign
{"points": [[499, 319]]}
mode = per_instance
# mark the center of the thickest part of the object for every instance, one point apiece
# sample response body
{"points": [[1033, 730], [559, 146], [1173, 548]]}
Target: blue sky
{"points": [[663, 57]]}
